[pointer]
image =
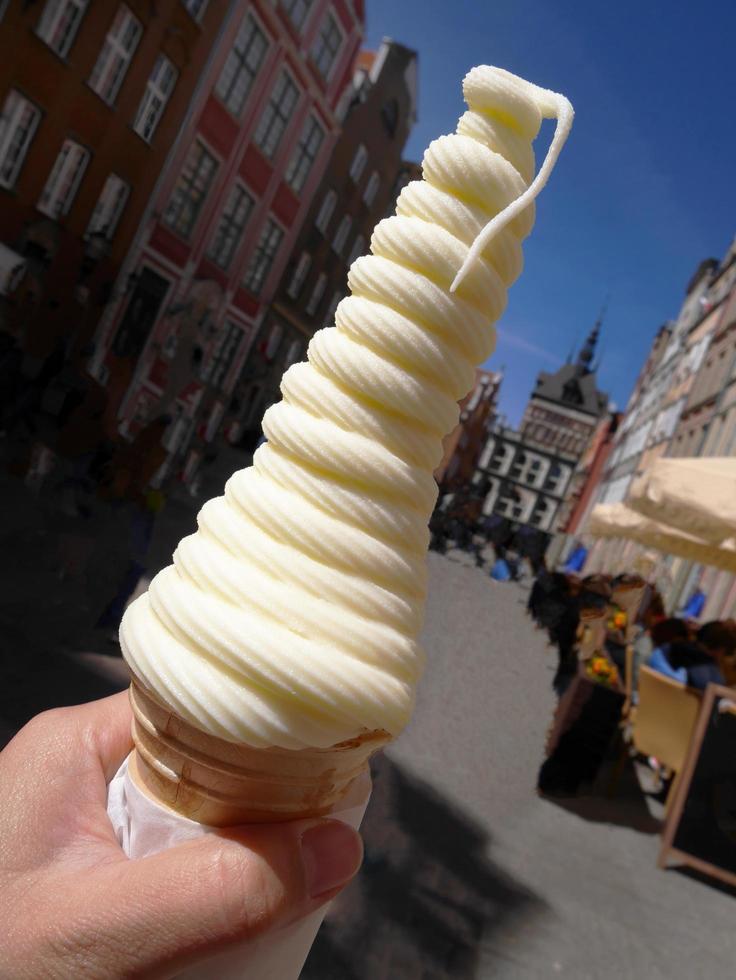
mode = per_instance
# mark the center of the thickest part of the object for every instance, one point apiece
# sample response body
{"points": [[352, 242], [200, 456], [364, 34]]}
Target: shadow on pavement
{"points": [[427, 888], [622, 803], [58, 573], [704, 879]]}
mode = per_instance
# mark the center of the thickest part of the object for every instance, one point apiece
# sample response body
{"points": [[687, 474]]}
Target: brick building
{"points": [[359, 186], [93, 96], [225, 215], [584, 484]]}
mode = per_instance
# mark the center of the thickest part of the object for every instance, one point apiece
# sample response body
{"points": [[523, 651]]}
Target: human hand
{"points": [[73, 905]]}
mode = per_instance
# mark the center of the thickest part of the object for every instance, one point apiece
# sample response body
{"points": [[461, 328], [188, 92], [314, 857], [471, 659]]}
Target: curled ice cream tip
{"points": [[505, 100], [291, 617]]}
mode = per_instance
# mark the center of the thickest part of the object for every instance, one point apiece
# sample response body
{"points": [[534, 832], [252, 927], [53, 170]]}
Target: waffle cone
{"points": [[222, 783]]}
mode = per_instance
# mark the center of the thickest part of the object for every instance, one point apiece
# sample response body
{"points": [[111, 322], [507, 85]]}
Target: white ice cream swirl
{"points": [[291, 617]]}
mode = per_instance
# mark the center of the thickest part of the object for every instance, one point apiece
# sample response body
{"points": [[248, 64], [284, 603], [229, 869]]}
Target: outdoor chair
{"points": [[664, 721], [629, 709]]}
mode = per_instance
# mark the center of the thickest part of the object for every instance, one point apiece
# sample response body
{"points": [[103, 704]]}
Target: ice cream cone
{"points": [[220, 783]]}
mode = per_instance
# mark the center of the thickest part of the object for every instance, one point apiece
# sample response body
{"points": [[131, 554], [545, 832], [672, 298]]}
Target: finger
{"points": [[98, 732], [106, 728], [57, 768], [185, 904]]}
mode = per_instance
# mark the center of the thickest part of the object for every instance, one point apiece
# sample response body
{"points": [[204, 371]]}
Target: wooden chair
{"points": [[665, 720], [628, 710]]}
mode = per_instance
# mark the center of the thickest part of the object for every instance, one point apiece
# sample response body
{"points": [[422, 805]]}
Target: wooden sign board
{"points": [[700, 830]]}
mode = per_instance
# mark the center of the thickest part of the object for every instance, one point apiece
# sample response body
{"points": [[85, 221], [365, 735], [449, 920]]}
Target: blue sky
{"points": [[646, 185]]}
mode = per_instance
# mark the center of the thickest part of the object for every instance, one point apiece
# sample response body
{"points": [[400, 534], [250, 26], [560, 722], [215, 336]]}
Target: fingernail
{"points": [[332, 852]]}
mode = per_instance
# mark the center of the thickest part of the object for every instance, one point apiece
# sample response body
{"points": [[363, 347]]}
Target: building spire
{"points": [[587, 351]]}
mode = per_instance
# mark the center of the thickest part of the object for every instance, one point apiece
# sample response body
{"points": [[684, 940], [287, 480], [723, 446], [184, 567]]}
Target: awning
{"points": [[695, 496], [620, 521]]}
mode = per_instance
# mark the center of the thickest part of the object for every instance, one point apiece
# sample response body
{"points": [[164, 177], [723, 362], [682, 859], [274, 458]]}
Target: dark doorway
{"points": [[141, 314]]}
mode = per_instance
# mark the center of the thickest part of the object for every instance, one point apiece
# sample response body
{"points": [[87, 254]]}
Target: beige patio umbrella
{"points": [[695, 496], [620, 521]]}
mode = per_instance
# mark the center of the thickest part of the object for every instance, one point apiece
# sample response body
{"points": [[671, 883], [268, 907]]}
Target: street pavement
{"points": [[468, 873]]}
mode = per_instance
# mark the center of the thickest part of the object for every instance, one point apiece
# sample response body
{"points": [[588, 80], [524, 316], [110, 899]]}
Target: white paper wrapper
{"points": [[145, 827]]}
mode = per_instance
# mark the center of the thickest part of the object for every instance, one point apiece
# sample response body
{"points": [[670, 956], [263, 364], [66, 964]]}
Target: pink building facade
{"points": [[225, 216]]}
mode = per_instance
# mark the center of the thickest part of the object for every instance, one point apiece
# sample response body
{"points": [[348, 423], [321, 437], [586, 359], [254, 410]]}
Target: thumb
{"points": [[189, 902]]}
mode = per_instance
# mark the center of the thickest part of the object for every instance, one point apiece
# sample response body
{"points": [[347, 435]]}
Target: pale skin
{"points": [[72, 904]]}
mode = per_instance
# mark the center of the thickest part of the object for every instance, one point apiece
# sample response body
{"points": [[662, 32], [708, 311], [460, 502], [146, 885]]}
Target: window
{"points": [[358, 165], [191, 189], [297, 11], [341, 235], [539, 514], [554, 475], [300, 274], [64, 180], [390, 116], [230, 228], [326, 211], [357, 249], [241, 67], [317, 293], [304, 155], [262, 259], [294, 353], [276, 115], [326, 46], [159, 87], [330, 315], [196, 8], [17, 125], [59, 24], [223, 354], [141, 313], [120, 44], [371, 189], [109, 207], [273, 341]]}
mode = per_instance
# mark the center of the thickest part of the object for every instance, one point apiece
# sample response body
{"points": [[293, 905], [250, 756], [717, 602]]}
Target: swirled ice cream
{"points": [[291, 617]]}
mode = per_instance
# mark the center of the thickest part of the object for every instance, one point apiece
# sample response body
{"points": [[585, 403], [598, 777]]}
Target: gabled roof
{"points": [[364, 60], [572, 388]]}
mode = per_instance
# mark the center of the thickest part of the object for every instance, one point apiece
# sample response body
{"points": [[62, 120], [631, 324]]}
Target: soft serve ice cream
{"points": [[291, 617]]}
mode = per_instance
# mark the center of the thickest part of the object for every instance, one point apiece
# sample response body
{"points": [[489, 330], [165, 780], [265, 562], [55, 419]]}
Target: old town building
{"points": [[93, 97], [683, 404], [359, 186], [226, 214], [584, 484], [707, 422], [525, 474], [658, 397]]}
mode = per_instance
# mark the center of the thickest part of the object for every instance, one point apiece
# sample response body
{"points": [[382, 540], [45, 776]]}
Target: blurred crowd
{"points": [[605, 615], [458, 521], [59, 440]]}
